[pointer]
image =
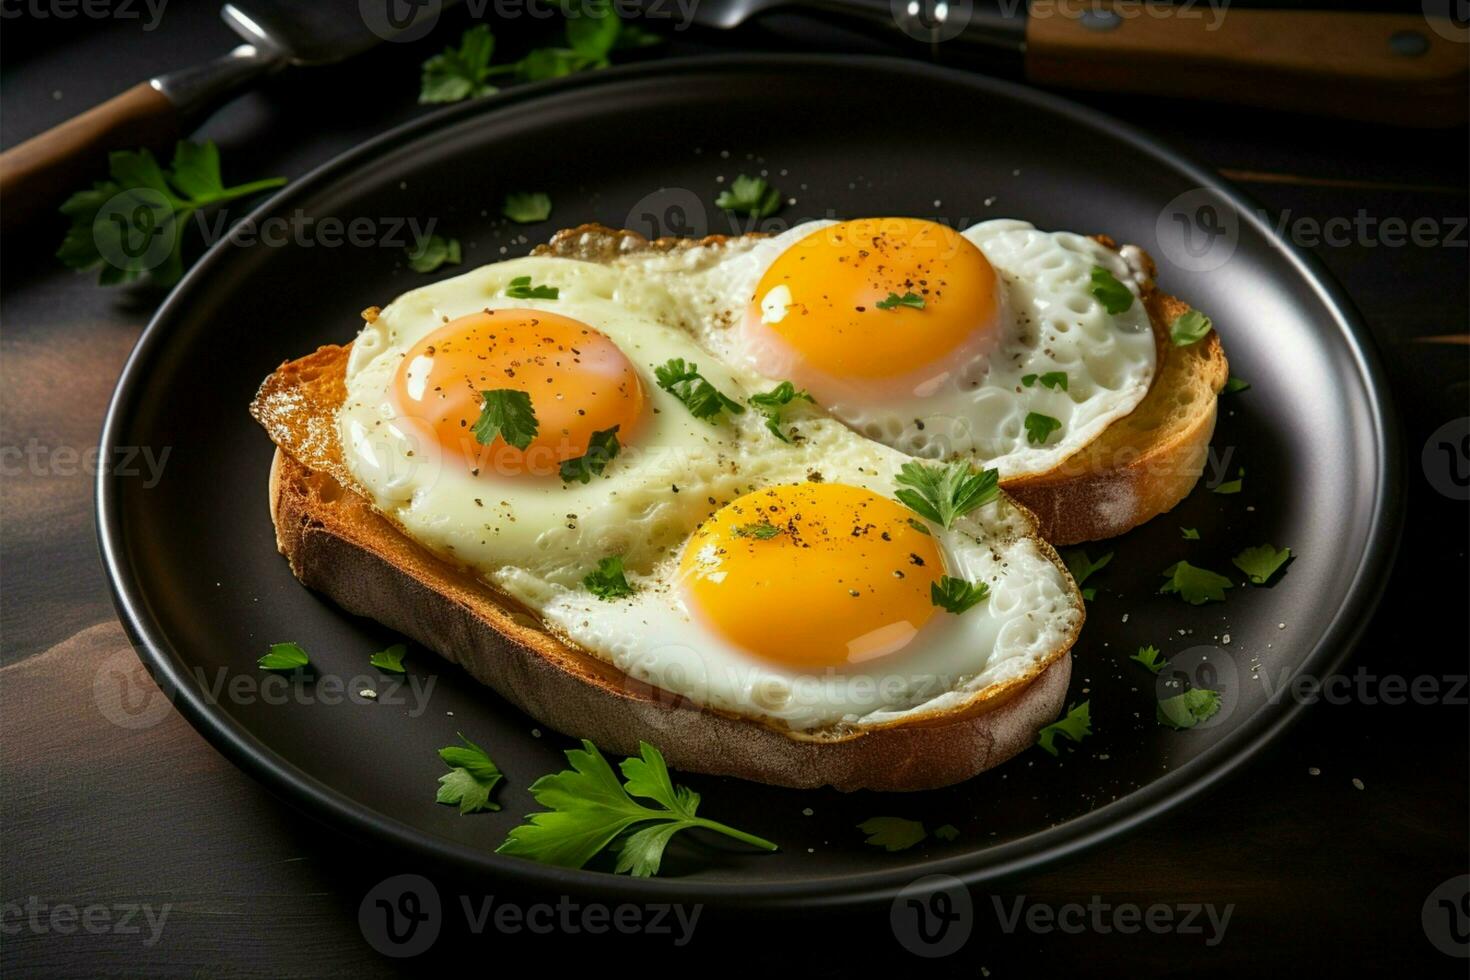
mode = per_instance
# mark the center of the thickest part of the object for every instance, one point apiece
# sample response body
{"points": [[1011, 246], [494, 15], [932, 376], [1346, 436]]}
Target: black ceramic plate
{"points": [[200, 585]]}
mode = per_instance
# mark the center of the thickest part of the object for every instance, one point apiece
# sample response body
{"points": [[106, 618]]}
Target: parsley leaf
{"points": [[608, 582], [770, 404], [1190, 534], [1261, 562], [471, 777], [590, 810], [1113, 295], [956, 595], [1189, 327], [1076, 726], [132, 224], [948, 832], [430, 253], [893, 833], [507, 413], [1040, 427], [1195, 586], [520, 288], [602, 450], [1188, 709], [459, 73], [762, 531], [685, 383], [911, 300], [1082, 568], [1231, 486], [1234, 384], [1051, 379], [390, 659], [1149, 657], [751, 195], [592, 30], [526, 209], [942, 492], [283, 656]]}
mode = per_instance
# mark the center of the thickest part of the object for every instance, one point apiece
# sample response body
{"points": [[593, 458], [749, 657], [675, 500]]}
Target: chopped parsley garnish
{"points": [[1261, 562], [589, 810], [947, 832], [919, 526], [761, 531], [506, 413], [520, 288], [283, 656], [433, 251], [1051, 379], [685, 383], [1149, 657], [1195, 586], [1076, 726], [942, 492], [771, 403], [462, 72], [525, 209], [122, 225], [1190, 534], [1040, 427], [608, 582], [1231, 486], [1082, 568], [390, 659], [893, 833], [750, 195], [602, 450], [956, 595], [894, 301], [1189, 327], [1234, 384], [471, 777], [1188, 709], [1113, 295]]}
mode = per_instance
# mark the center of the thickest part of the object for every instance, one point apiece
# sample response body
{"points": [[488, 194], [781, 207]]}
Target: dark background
{"points": [[1323, 876]]}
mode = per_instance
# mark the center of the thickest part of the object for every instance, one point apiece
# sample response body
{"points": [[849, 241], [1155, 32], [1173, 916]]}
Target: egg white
{"points": [[1050, 321]]}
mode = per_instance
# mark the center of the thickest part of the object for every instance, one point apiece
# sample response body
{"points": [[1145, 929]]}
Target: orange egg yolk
{"points": [[812, 576], [578, 380], [816, 311]]}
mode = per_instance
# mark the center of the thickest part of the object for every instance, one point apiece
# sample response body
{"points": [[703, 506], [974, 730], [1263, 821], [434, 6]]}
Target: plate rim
{"points": [[1044, 848]]}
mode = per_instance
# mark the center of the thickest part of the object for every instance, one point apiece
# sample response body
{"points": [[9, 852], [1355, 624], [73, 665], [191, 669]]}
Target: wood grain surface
{"points": [[111, 801]]}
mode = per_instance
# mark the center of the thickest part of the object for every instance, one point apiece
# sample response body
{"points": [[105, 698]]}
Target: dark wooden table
{"points": [[1326, 847]]}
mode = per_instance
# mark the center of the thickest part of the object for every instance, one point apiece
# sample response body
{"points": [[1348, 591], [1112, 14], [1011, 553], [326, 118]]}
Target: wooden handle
{"points": [[1392, 68], [37, 175]]}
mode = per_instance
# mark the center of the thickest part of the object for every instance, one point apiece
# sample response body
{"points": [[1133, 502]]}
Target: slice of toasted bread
{"points": [[1139, 467], [337, 544]]}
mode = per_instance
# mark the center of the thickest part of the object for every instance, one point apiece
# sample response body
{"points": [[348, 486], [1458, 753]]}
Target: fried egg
{"points": [[769, 579], [989, 345]]}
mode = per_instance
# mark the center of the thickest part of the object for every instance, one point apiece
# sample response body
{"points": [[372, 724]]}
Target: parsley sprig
{"points": [[432, 251], [1052, 379], [1082, 568], [390, 659], [472, 775], [1188, 709], [1040, 427], [1195, 586], [1189, 327], [1150, 658], [1261, 562], [957, 596], [772, 403], [943, 492], [506, 413], [602, 449], [1113, 295], [894, 301], [893, 833], [521, 288], [123, 225], [750, 195], [608, 581], [284, 656], [684, 382], [526, 208], [1076, 726], [589, 810]]}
